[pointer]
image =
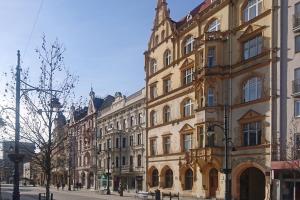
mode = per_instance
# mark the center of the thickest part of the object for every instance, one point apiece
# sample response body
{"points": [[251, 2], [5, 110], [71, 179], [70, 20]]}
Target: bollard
{"points": [[157, 194], [51, 196]]}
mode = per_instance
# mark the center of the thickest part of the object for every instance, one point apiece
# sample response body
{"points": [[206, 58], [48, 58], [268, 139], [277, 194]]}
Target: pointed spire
{"points": [[92, 93], [162, 11]]}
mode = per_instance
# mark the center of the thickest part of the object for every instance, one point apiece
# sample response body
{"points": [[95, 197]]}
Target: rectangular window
{"points": [[252, 134], [167, 85], [140, 118], [132, 121], [153, 91], [124, 124], [139, 139], [167, 144], [210, 97], [117, 142], [252, 9], [187, 142], [118, 125], [124, 143], [201, 142], [252, 47], [131, 140], [297, 146], [131, 160], [211, 57], [108, 143], [153, 147], [297, 108], [123, 160], [117, 161], [139, 160], [187, 76], [297, 44]]}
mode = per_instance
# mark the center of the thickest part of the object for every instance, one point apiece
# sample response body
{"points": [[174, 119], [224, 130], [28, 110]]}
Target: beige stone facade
{"points": [[221, 53], [121, 143]]}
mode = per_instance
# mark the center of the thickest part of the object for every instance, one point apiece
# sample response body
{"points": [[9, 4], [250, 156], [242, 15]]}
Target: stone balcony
{"points": [[206, 154]]}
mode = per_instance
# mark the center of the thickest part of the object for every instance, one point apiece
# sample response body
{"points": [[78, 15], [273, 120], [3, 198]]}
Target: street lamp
{"points": [[226, 170]]}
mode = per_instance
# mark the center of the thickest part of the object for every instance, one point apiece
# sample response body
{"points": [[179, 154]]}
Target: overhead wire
{"points": [[33, 28]]}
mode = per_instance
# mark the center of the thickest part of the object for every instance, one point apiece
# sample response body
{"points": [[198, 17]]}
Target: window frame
{"points": [[297, 108], [297, 48], [187, 108], [169, 178], [189, 44], [188, 75], [247, 9], [167, 114], [248, 47], [249, 133], [214, 26], [186, 140], [167, 58], [252, 84], [167, 144]]}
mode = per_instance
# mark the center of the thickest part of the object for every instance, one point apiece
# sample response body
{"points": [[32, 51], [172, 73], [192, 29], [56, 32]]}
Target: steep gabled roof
{"points": [[193, 12]]}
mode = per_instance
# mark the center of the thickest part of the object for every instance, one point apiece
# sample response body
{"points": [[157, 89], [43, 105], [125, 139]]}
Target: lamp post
{"points": [[226, 170], [108, 175], [16, 157]]}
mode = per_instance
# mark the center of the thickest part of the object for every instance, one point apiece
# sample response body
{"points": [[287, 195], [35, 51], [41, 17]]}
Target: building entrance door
{"points": [[213, 182], [252, 184]]}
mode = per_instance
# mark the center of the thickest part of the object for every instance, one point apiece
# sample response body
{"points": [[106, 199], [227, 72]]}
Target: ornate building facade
{"points": [[286, 141], [121, 143], [82, 128], [221, 55]]}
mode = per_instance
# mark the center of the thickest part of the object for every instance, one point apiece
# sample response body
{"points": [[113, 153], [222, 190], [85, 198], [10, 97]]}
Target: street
{"points": [[31, 193]]}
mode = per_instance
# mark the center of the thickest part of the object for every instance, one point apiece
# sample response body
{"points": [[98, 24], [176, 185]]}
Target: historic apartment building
{"points": [[286, 142], [82, 128], [121, 139], [222, 54]]}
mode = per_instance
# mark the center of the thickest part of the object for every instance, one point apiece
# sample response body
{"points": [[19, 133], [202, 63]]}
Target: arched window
{"points": [[155, 178], [214, 26], [188, 45], [169, 178], [167, 58], [252, 9], [153, 118], [188, 180], [187, 108], [167, 114], [252, 89], [153, 66]]}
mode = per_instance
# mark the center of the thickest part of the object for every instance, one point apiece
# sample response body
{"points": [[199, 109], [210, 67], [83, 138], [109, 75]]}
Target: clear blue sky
{"points": [[105, 39]]}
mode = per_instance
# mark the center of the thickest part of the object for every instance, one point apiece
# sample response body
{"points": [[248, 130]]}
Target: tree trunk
{"points": [[48, 174]]}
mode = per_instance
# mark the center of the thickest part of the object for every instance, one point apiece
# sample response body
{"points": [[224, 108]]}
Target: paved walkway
{"points": [[31, 193]]}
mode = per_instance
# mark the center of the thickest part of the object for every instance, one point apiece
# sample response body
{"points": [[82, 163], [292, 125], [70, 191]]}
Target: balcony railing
{"points": [[296, 24], [296, 87], [206, 153]]}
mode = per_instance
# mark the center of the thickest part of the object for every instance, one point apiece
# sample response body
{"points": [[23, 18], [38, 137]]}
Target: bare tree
{"points": [[41, 106]]}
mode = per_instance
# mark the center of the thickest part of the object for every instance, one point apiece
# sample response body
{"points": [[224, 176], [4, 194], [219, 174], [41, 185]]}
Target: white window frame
{"points": [[247, 131], [188, 76], [168, 58], [187, 142], [252, 90], [252, 47], [214, 26], [188, 108], [252, 4], [210, 97], [297, 108], [153, 66], [189, 45], [211, 57], [167, 113], [153, 118]]}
